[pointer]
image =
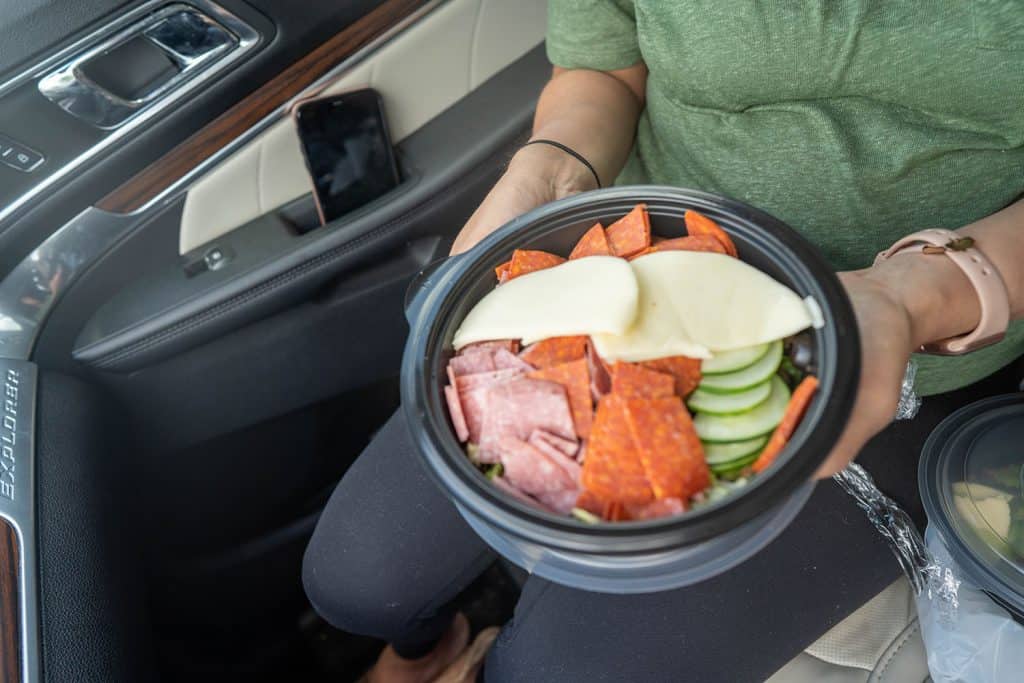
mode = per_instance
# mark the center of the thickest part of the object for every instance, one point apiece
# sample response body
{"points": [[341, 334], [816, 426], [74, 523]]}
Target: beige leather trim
{"points": [[879, 643], [420, 73]]}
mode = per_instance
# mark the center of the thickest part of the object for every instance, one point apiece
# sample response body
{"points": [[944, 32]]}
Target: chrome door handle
{"points": [[191, 40]]}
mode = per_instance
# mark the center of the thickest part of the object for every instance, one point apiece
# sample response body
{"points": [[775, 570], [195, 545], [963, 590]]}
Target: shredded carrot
{"points": [[798, 403]]}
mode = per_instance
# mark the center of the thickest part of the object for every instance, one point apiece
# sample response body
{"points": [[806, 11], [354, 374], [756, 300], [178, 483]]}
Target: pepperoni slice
{"points": [[631, 233], [554, 351], [591, 502], [613, 471], [593, 243], [686, 372], [663, 507], [699, 224], [575, 377], [692, 243], [630, 380], [668, 447], [600, 376], [642, 252], [798, 403], [502, 272], [528, 261]]}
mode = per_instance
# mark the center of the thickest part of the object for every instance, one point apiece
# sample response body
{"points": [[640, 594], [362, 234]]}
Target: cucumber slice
{"points": [[737, 359], [719, 454], [753, 423], [747, 377], [703, 401], [735, 469]]}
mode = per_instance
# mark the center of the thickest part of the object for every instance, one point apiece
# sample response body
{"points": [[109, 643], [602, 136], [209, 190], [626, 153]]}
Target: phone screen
{"points": [[348, 151]]}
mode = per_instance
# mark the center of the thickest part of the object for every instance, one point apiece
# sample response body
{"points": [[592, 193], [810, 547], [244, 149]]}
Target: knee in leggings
{"points": [[359, 589]]}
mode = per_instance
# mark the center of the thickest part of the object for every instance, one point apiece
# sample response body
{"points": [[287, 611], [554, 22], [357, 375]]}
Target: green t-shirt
{"points": [[855, 122]]}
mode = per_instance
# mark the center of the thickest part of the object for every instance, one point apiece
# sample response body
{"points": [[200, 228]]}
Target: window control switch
{"points": [[18, 156]]}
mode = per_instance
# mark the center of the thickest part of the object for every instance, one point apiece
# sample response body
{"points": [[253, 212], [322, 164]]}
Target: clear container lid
{"points": [[972, 484]]}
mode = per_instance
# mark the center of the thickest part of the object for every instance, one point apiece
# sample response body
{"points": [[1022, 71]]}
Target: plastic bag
{"points": [[968, 637], [977, 641]]}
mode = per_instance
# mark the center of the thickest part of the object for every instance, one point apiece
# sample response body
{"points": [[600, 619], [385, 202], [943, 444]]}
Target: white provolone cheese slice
{"points": [[590, 295], [657, 331], [694, 303]]}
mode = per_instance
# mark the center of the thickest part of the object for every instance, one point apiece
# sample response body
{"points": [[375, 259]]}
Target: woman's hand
{"points": [[886, 331], [593, 113], [537, 174]]}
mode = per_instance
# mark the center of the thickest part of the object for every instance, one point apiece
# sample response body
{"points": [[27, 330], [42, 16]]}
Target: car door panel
{"points": [[419, 74], [29, 27], [164, 383], [93, 616], [324, 322], [269, 267]]}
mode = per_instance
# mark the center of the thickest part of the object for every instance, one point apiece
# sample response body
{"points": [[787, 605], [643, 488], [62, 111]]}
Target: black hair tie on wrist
{"points": [[571, 152]]}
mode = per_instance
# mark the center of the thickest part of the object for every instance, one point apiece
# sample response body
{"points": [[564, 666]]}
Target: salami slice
{"points": [[517, 408], [631, 233], [503, 484], [511, 344], [569, 447], [451, 396], [630, 380], [570, 466], [554, 351], [692, 243], [474, 406], [485, 379], [699, 224], [479, 360], [575, 377], [530, 470], [593, 243], [528, 261], [613, 470], [668, 447], [685, 371], [506, 360], [560, 502]]}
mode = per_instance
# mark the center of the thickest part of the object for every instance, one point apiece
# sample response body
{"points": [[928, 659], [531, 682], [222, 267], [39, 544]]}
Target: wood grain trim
{"points": [[10, 614], [159, 175]]}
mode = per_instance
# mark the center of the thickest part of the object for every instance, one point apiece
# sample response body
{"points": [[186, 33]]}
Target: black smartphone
{"points": [[347, 149]]}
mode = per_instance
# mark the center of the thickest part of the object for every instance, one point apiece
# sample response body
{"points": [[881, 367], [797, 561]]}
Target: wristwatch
{"points": [[995, 303]]}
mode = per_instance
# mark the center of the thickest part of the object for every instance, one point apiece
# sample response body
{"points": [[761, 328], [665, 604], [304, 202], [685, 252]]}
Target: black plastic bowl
{"points": [[629, 556]]}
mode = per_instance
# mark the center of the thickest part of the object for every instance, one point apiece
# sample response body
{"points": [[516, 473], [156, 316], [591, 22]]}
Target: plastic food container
{"points": [[628, 557], [971, 478]]}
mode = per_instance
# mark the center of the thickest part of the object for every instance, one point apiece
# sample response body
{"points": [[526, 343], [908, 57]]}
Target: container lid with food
{"points": [[972, 484]]}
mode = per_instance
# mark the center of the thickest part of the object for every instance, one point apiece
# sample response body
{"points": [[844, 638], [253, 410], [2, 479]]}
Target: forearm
{"points": [[593, 113], [940, 299]]}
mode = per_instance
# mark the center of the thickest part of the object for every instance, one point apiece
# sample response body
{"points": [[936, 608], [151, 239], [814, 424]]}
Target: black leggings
{"points": [[390, 552]]}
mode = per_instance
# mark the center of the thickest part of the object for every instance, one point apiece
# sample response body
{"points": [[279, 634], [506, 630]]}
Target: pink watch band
{"points": [[985, 278]]}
